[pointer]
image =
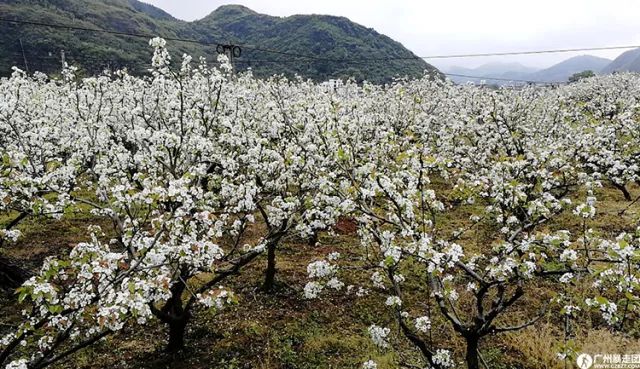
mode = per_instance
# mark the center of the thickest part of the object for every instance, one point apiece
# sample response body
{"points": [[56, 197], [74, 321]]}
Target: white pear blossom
{"points": [[370, 364], [423, 324], [379, 335]]}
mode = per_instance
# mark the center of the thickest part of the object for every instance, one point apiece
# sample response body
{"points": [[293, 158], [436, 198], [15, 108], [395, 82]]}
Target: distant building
{"points": [[333, 83]]}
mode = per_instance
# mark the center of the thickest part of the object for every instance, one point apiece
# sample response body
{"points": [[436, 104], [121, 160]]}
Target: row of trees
{"points": [[189, 164]]}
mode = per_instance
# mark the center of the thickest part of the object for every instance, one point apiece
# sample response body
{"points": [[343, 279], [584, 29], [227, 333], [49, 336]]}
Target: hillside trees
{"points": [[581, 75]]}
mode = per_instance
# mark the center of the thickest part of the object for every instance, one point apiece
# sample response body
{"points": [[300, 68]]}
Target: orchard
{"points": [[478, 211]]}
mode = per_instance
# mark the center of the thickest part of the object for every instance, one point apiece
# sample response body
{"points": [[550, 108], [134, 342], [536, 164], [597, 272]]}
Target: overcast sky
{"points": [[466, 26]]}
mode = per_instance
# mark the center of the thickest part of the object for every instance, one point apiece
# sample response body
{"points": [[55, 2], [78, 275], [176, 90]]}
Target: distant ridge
{"points": [[628, 61], [562, 71], [506, 71], [519, 74]]}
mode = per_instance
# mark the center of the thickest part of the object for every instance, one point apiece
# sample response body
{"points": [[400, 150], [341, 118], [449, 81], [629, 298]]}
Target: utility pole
{"points": [[24, 57], [62, 59], [232, 51]]}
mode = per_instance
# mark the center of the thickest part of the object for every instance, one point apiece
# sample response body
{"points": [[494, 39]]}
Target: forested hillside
{"points": [[313, 46]]}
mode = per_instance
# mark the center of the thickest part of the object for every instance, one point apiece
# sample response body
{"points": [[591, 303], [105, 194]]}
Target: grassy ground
{"points": [[283, 330]]}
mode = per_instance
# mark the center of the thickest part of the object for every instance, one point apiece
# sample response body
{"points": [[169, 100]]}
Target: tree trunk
{"points": [[623, 189], [313, 239], [272, 244], [270, 273], [174, 315], [177, 329], [472, 353], [12, 276]]}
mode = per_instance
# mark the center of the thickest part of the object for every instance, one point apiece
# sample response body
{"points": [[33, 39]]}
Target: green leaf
{"points": [[601, 300], [23, 292], [389, 261], [6, 160]]}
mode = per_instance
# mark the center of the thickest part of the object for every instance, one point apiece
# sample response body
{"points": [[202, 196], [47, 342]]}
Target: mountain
{"points": [[628, 61], [508, 73], [331, 38], [93, 51], [313, 46], [562, 71], [503, 71]]}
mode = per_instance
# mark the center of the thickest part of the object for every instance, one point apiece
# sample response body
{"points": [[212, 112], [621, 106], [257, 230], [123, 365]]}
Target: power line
{"points": [[449, 56], [550, 51], [119, 33], [148, 36], [248, 62], [314, 57], [501, 79], [302, 56], [24, 57]]}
